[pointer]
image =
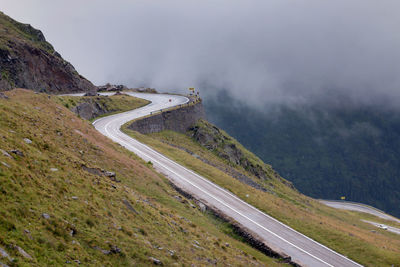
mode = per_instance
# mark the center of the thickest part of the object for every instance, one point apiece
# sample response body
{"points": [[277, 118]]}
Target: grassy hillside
{"points": [[340, 230], [102, 105], [13, 30], [61, 205]]}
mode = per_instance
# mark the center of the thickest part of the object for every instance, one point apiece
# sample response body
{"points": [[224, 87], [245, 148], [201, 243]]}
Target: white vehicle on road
{"points": [[382, 226]]}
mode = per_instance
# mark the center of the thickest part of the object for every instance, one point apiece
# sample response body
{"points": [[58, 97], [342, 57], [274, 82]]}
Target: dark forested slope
{"points": [[326, 151]]}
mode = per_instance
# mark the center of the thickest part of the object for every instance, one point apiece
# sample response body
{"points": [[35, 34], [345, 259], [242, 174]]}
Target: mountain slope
{"points": [[327, 152], [27, 60], [71, 195], [340, 230]]}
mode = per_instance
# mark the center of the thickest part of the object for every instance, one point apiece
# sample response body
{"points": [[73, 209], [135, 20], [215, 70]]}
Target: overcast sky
{"points": [[265, 51]]}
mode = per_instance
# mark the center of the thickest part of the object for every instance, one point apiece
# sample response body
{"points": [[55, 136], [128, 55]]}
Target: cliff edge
{"points": [[179, 119], [27, 60]]}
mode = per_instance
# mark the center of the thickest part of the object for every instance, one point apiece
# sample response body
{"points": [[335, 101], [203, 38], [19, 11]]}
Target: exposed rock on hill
{"points": [[179, 119], [27, 60], [92, 107], [216, 140], [89, 109]]}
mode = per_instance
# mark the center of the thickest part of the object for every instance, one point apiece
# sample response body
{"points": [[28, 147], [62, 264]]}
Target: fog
{"points": [[262, 52]]}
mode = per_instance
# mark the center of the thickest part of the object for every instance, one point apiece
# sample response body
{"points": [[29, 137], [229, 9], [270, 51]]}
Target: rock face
{"points": [[179, 120], [89, 109], [27, 60], [213, 139]]}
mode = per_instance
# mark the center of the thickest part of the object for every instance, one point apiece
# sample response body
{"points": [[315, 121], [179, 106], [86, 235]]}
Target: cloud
{"points": [[263, 52], [359, 129]]}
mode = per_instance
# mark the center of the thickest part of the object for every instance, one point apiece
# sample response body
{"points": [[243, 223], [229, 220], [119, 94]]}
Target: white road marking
{"points": [[223, 203], [132, 148]]}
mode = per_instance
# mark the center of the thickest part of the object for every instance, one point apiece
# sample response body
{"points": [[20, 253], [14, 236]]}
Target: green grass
{"points": [[5, 75], [340, 230], [152, 224], [13, 30]]}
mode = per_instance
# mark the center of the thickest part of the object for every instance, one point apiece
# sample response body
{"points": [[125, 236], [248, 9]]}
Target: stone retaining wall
{"points": [[179, 119]]}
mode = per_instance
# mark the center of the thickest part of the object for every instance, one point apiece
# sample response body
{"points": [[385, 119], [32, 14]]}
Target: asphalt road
{"points": [[359, 207], [276, 235], [389, 228]]}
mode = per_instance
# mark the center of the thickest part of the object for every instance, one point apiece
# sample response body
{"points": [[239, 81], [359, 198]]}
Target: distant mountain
{"points": [[27, 60], [326, 151]]}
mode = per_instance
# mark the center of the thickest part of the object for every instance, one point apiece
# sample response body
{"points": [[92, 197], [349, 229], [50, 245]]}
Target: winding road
{"points": [[345, 205], [279, 237], [379, 225]]}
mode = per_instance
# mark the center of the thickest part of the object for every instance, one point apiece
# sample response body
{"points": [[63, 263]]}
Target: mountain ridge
{"points": [[27, 60]]}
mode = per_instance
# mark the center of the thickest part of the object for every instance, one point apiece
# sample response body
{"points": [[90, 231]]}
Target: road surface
{"points": [[344, 205], [276, 235], [389, 228]]}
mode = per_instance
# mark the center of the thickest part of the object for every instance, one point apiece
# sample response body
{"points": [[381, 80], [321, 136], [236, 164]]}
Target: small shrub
{"points": [[90, 222], [143, 232], [6, 224], [61, 247], [126, 231]]}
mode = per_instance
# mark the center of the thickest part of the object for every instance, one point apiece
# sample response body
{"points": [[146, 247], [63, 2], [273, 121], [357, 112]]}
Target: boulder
{"points": [[91, 93], [129, 206], [3, 96], [155, 261], [112, 176], [109, 174], [89, 110], [5, 153], [23, 253], [115, 250], [202, 207], [4, 254], [17, 152], [100, 172], [5, 164]]}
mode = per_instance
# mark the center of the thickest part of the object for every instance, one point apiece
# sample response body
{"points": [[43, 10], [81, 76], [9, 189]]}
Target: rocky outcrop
{"points": [[120, 87], [112, 88], [216, 140], [90, 109], [178, 120], [227, 169], [3, 96], [27, 60]]}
